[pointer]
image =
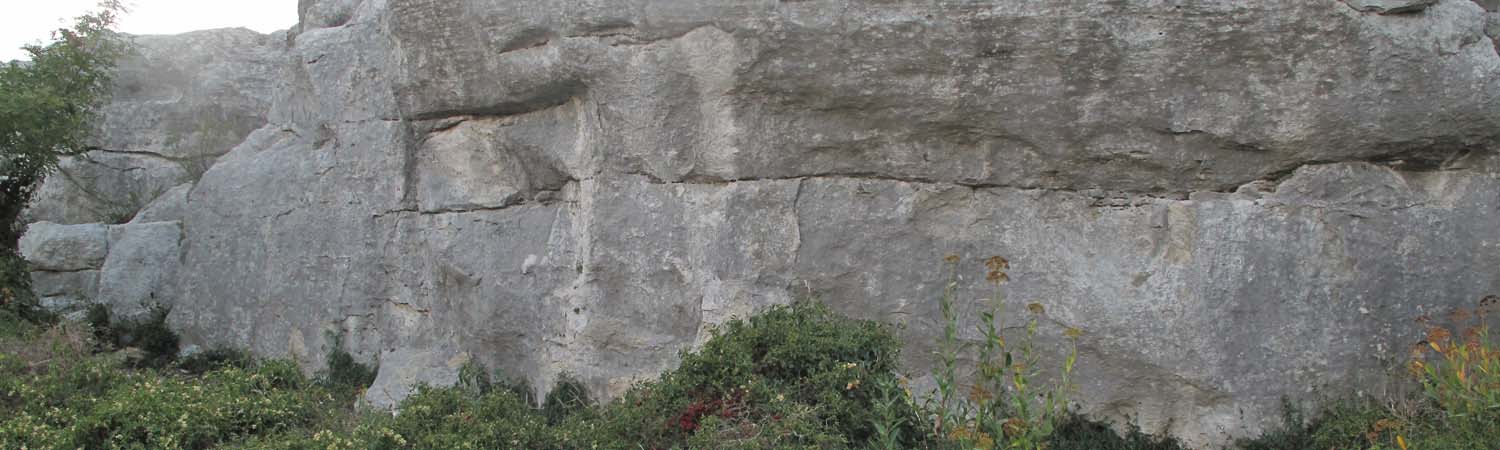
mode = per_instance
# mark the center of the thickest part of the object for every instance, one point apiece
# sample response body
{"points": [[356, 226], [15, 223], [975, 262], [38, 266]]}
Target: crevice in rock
{"points": [[541, 197], [527, 39], [554, 95], [134, 152], [797, 221], [1388, 7], [87, 269], [408, 307], [1406, 160], [623, 36]]}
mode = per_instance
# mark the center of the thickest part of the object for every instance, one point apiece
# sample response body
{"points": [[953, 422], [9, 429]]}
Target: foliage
{"points": [[795, 376], [1341, 425], [149, 333], [1462, 372], [48, 104], [217, 358], [1006, 407], [1078, 433], [19, 307], [1458, 410], [568, 396], [344, 376], [59, 394]]}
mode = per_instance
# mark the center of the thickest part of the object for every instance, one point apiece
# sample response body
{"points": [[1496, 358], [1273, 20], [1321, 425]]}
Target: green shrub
{"points": [[67, 398], [568, 396], [1342, 424], [20, 310], [215, 359], [1076, 432], [344, 376], [795, 376], [157, 342], [152, 336], [1459, 375]]}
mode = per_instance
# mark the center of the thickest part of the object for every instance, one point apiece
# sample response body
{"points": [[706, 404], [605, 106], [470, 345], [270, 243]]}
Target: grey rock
{"points": [[142, 267], [80, 284], [65, 304], [1492, 27], [316, 14], [189, 351], [178, 103], [1390, 6], [170, 206], [107, 187], [492, 163], [78, 316], [192, 96], [64, 248], [1237, 201], [404, 370]]}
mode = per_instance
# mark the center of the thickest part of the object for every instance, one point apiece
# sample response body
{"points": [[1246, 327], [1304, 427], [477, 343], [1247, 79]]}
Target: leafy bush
{"points": [[1459, 409], [47, 107], [1079, 433], [216, 358], [796, 375], [568, 396], [344, 376], [157, 342], [19, 307], [1462, 373], [1341, 425], [63, 396]]}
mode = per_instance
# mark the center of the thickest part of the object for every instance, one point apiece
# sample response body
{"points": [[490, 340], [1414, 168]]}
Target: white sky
{"points": [[28, 21]]}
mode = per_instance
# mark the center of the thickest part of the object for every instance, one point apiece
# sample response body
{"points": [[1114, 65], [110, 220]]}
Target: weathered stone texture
{"points": [[141, 270], [64, 248], [179, 102], [1237, 201], [411, 367]]}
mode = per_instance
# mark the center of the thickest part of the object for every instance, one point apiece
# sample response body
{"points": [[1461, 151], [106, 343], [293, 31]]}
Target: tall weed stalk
{"points": [[1007, 406]]}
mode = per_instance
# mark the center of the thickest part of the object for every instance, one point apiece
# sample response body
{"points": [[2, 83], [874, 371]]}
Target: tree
{"points": [[48, 106], [47, 110]]}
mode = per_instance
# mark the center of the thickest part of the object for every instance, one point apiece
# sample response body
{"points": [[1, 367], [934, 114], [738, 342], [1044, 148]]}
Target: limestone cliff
{"points": [[1237, 201]]}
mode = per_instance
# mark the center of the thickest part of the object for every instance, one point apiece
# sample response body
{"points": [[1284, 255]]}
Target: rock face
{"points": [[179, 102], [128, 267], [1237, 201]]}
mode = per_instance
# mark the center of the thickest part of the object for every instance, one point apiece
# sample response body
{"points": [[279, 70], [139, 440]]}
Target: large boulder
{"points": [[405, 370], [64, 248], [141, 270]]}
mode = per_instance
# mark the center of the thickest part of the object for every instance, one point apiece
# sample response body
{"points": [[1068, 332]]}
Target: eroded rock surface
{"points": [[1237, 201], [178, 103], [65, 248]]}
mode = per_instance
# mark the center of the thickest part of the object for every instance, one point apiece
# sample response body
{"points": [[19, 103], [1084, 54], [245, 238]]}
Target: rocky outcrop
{"points": [[406, 368], [179, 103], [62, 248], [1238, 202], [130, 268]]}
